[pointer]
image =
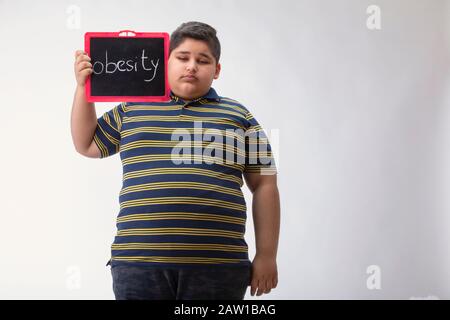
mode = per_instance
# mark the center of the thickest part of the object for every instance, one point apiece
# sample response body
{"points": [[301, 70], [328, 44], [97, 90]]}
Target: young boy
{"points": [[181, 223]]}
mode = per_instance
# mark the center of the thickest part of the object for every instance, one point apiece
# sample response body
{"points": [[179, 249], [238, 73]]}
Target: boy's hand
{"points": [[264, 275], [82, 67]]}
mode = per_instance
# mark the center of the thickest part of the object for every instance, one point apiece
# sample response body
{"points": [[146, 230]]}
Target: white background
{"points": [[363, 149]]}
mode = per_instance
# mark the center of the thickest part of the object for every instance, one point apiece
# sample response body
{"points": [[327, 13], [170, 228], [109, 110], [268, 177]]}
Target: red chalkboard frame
{"points": [[121, 34]]}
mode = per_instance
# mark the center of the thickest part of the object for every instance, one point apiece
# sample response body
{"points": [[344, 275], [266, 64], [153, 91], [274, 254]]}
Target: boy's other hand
{"points": [[82, 67], [264, 275]]}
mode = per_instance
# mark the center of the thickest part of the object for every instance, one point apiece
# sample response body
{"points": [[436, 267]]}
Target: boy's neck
{"points": [[190, 99]]}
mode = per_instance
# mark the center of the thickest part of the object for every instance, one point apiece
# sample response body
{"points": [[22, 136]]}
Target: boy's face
{"points": [[192, 58]]}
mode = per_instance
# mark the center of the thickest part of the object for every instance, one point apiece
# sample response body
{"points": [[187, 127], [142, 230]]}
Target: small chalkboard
{"points": [[127, 66]]}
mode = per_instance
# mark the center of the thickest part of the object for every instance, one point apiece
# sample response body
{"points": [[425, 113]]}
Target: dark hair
{"points": [[196, 30]]}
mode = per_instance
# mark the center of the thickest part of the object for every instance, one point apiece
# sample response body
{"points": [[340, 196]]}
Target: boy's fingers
{"points": [[268, 286], [254, 287], [86, 72], [265, 288], [259, 285], [260, 290], [78, 59], [82, 66], [82, 57], [78, 52]]}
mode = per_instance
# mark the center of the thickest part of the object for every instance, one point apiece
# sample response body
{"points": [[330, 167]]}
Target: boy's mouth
{"points": [[189, 78]]}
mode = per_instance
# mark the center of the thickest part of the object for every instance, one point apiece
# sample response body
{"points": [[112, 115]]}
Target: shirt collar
{"points": [[210, 95]]}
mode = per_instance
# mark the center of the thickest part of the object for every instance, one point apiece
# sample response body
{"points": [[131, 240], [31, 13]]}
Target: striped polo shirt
{"points": [[181, 203]]}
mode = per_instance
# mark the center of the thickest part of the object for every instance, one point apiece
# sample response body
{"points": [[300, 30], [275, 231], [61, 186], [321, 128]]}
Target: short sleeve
{"points": [[107, 133], [258, 151]]}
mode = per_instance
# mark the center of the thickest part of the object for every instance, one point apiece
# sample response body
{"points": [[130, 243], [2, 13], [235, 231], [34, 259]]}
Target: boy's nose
{"points": [[191, 66]]}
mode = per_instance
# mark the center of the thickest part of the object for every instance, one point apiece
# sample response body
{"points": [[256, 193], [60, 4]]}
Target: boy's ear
{"points": [[218, 67]]}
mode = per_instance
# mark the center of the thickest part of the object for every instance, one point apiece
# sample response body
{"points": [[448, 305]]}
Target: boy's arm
{"points": [[83, 117], [266, 218]]}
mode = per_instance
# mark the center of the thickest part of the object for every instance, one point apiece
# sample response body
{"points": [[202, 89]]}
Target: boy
{"points": [[181, 223]]}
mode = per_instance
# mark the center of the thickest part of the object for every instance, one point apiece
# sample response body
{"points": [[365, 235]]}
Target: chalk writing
{"points": [[128, 65]]}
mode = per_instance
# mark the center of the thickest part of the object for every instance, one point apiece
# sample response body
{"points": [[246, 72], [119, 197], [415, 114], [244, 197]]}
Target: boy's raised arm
{"points": [[83, 117]]}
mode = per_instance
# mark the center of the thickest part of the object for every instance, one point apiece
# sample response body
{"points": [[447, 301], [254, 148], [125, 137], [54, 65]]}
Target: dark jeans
{"points": [[204, 283]]}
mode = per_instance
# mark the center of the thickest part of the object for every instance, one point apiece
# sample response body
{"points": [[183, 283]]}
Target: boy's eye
{"points": [[200, 61]]}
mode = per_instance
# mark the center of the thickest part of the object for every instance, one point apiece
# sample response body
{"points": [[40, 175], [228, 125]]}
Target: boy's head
{"points": [[194, 51]]}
